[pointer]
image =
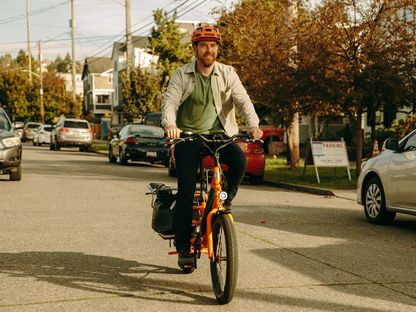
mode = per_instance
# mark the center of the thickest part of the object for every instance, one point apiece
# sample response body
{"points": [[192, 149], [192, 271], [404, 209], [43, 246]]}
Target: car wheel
{"points": [[111, 158], [375, 203], [82, 149], [122, 159], [16, 175]]}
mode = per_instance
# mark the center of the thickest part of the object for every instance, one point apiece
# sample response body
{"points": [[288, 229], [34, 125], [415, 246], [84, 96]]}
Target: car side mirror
{"points": [[391, 144]]}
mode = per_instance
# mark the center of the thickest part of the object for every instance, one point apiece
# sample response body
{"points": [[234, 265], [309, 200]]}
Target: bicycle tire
{"points": [[224, 242]]}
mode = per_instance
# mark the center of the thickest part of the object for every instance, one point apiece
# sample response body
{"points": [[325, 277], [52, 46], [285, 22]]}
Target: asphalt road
{"points": [[75, 235]]}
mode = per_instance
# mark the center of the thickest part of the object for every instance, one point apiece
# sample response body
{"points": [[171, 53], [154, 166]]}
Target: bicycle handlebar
{"points": [[187, 136]]}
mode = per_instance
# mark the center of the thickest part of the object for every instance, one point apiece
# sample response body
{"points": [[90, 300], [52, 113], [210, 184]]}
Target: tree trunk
{"points": [[293, 141]]}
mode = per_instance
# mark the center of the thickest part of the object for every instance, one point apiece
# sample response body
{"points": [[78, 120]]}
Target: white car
{"points": [[42, 135], [387, 182], [29, 130]]}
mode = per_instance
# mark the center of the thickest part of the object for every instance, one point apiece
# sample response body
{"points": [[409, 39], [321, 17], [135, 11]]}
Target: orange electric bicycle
{"points": [[213, 233]]}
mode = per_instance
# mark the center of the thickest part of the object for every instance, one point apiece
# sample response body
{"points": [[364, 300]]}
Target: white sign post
{"points": [[330, 154]]}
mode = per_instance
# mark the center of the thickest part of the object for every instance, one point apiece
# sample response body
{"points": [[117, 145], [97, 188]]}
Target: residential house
{"points": [[79, 84], [97, 76], [141, 56]]}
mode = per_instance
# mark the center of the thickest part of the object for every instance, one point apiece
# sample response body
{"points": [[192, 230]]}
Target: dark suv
{"points": [[10, 149]]}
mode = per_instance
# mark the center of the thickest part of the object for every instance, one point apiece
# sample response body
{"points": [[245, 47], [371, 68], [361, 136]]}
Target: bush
{"points": [[404, 126]]}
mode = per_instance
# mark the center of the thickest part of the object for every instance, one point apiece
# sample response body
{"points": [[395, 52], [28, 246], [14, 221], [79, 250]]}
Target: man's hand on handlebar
{"points": [[172, 132], [256, 132]]}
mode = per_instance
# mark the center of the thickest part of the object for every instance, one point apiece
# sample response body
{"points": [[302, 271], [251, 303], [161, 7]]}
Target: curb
{"points": [[300, 188]]}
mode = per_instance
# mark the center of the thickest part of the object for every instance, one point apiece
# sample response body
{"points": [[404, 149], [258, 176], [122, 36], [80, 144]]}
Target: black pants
{"points": [[187, 157]]}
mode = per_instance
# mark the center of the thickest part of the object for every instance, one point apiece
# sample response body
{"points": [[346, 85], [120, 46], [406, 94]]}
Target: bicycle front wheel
{"points": [[225, 265]]}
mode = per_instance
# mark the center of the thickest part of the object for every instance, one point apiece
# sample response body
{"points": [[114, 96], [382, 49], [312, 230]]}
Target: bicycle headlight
{"points": [[9, 142]]}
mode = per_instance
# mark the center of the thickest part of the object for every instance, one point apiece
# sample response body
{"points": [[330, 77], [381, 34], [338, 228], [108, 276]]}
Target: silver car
{"points": [[29, 130], [10, 149], [42, 135], [387, 182], [70, 132]]}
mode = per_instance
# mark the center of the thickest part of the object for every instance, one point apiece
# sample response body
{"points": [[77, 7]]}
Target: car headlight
{"points": [[9, 142]]}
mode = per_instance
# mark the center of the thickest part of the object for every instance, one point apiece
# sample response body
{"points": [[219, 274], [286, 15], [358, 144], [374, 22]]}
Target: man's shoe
{"points": [[185, 259]]}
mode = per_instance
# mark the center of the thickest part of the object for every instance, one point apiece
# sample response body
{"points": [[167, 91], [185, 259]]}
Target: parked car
{"points": [[113, 131], [42, 135], [70, 132], [387, 182], [10, 149], [256, 162], [270, 134], [139, 143], [29, 130], [18, 129]]}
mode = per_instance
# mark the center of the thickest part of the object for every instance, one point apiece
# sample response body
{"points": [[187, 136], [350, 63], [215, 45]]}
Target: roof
{"points": [[96, 65]]}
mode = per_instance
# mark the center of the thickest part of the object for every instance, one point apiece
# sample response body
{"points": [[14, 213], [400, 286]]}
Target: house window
{"points": [[110, 79], [103, 99]]}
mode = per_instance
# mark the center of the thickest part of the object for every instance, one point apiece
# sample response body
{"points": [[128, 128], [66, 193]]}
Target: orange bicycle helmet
{"points": [[206, 33]]}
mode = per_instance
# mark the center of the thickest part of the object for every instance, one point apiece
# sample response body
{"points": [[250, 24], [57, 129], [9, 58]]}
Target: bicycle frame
{"points": [[215, 205]]}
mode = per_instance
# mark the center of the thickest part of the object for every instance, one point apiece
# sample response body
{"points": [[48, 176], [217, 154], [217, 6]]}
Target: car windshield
{"points": [[49, 128], [4, 122], [151, 132], [32, 126], [75, 124]]}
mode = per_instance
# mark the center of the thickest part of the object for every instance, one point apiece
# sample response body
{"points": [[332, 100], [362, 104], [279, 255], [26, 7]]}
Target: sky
{"points": [[98, 23]]}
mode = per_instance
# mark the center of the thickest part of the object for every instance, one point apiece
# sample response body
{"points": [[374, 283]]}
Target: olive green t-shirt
{"points": [[197, 113]]}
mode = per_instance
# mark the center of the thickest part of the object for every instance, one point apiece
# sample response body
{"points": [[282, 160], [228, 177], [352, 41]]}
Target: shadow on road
{"points": [[331, 243], [124, 278], [106, 275]]}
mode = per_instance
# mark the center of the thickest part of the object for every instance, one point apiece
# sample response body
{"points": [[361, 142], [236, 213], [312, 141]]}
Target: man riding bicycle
{"points": [[202, 96]]}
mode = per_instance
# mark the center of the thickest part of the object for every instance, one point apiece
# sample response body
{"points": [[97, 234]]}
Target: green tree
{"points": [[64, 66], [143, 92], [22, 99], [167, 42]]}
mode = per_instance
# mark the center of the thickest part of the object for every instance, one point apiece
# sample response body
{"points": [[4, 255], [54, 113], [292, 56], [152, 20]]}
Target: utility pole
{"points": [[28, 42], [74, 81], [128, 38], [42, 109]]}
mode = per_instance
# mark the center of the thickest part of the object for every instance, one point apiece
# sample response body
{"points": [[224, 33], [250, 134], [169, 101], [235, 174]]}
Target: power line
{"points": [[115, 38], [148, 24], [120, 3], [34, 12]]}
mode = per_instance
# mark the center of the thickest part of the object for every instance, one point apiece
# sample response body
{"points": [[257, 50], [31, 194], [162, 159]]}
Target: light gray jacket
{"points": [[228, 93]]}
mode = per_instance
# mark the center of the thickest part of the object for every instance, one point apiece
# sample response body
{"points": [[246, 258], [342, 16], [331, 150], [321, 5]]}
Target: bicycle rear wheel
{"points": [[225, 265]]}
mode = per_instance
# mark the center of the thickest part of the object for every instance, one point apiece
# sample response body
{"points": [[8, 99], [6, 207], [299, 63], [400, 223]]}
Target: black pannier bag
{"points": [[163, 204]]}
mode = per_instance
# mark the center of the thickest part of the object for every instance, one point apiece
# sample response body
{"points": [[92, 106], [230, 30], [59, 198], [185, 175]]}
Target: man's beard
{"points": [[207, 62]]}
